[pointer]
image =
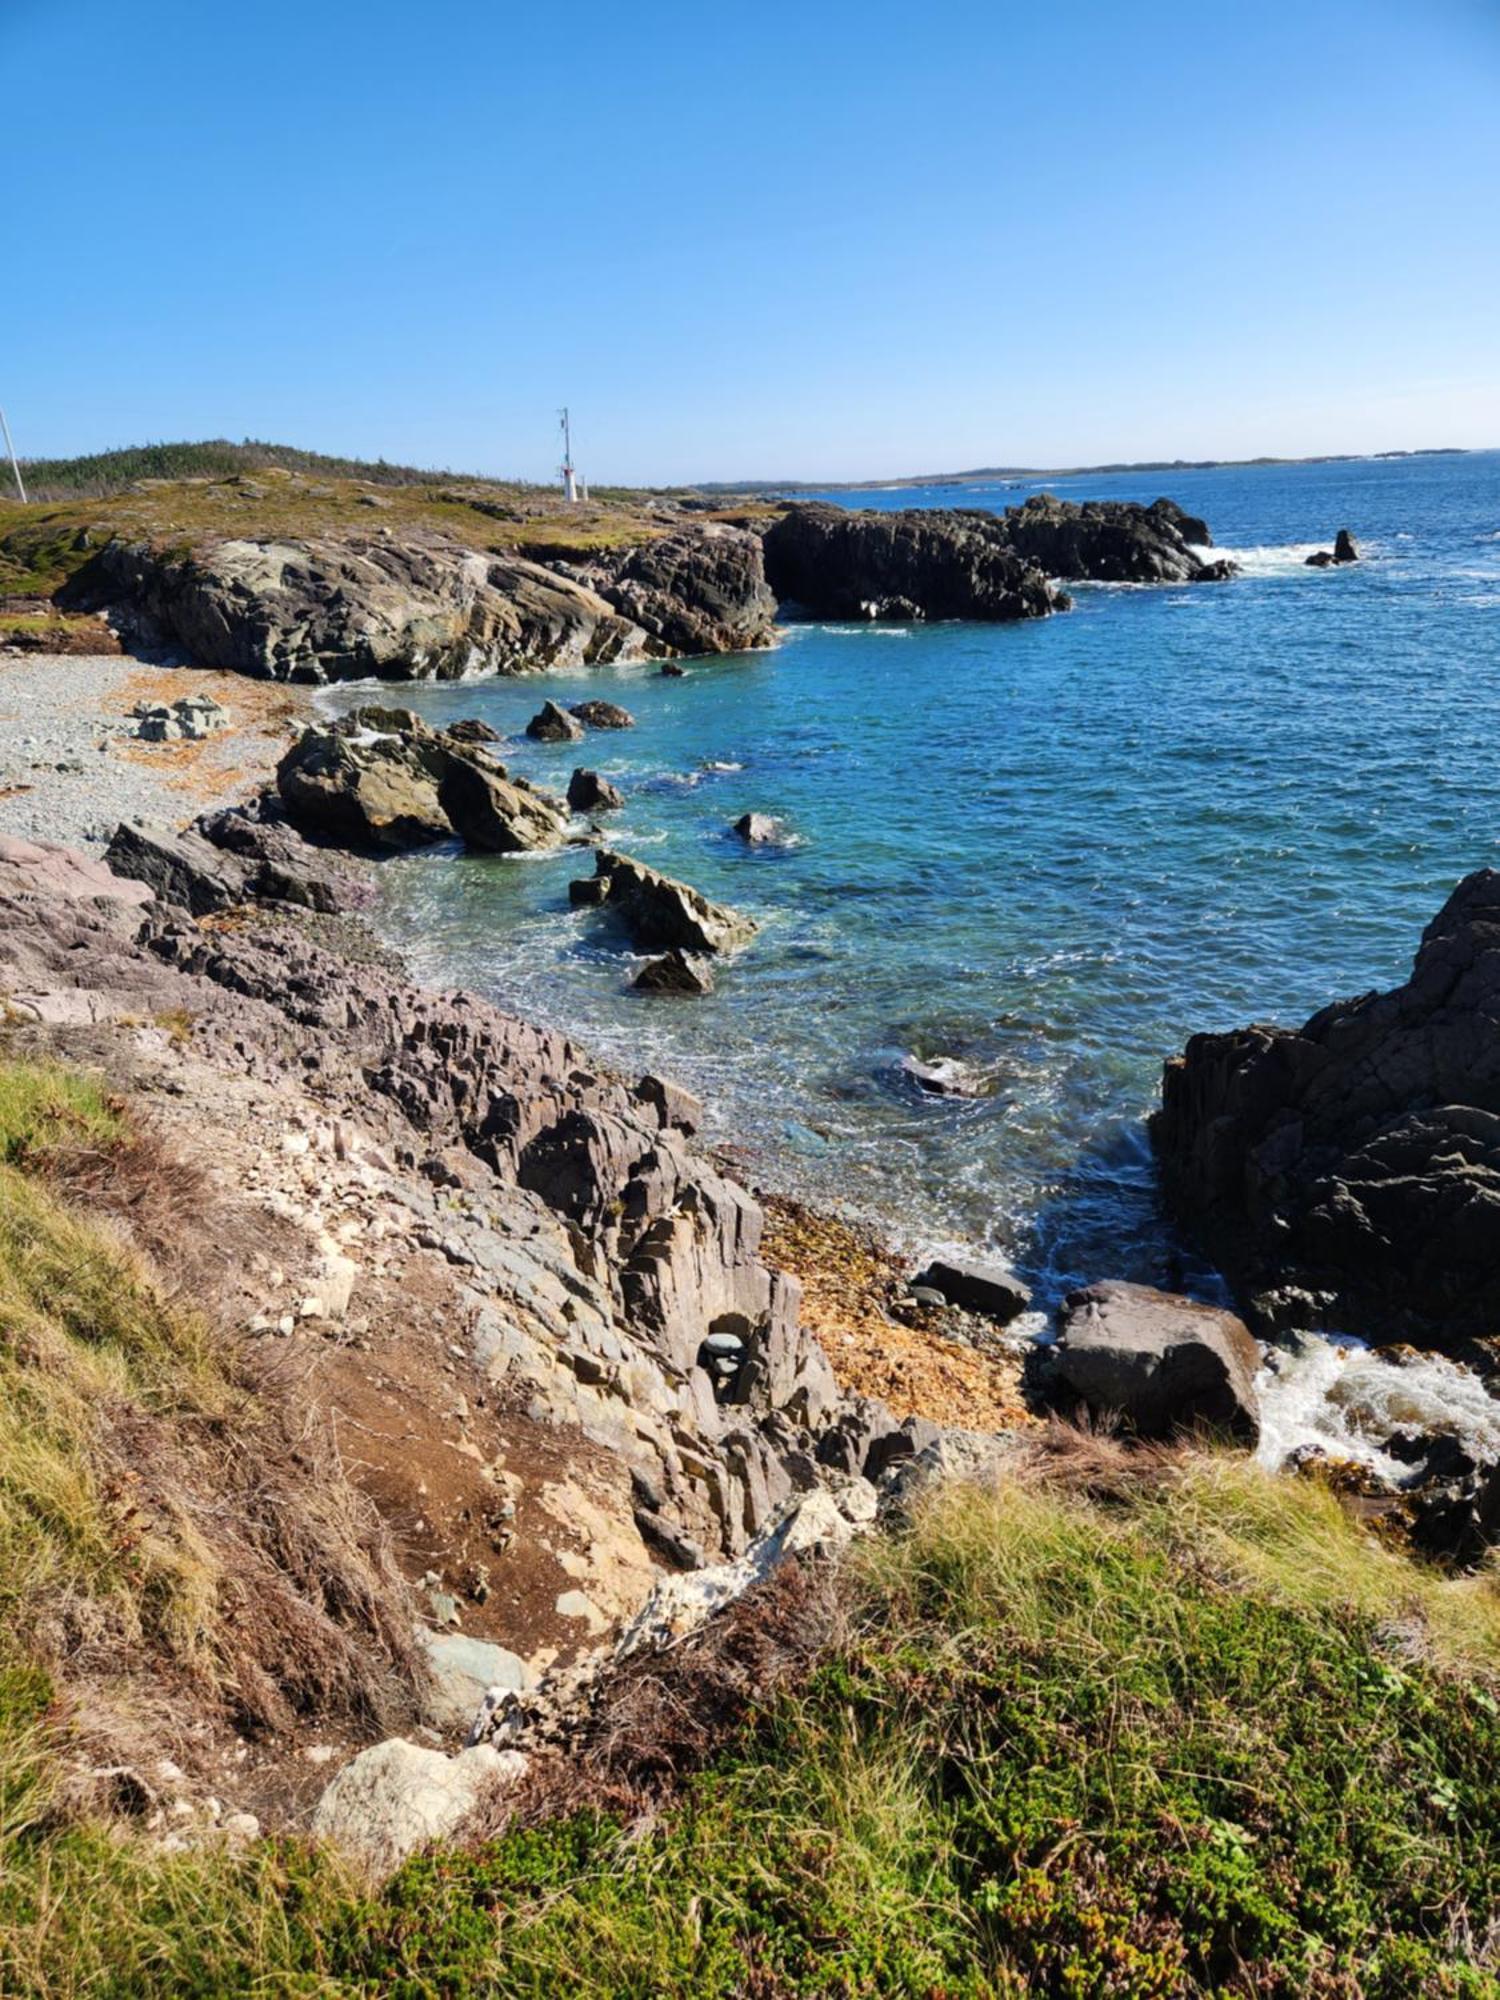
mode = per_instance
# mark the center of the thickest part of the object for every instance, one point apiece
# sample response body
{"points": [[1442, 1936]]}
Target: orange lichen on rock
{"points": [[848, 1280]]}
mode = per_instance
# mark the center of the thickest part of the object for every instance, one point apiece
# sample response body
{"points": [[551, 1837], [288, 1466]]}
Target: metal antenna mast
{"points": [[15, 464], [570, 490]]}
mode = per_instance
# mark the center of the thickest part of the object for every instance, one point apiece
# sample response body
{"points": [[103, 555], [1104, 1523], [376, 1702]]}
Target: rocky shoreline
{"points": [[361, 604]]}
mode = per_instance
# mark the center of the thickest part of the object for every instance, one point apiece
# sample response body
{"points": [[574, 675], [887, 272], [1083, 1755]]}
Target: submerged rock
{"points": [[1162, 1363], [674, 972], [757, 829], [1343, 551], [660, 913], [1346, 1174]]}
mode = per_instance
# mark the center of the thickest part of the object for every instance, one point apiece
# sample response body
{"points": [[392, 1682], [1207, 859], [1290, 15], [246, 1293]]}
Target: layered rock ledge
{"points": [[348, 607]]}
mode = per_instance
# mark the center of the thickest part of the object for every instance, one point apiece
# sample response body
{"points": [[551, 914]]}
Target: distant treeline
{"points": [[105, 472]]}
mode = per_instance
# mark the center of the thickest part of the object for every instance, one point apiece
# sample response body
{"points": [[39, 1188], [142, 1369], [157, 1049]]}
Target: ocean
{"points": [[1048, 851]]}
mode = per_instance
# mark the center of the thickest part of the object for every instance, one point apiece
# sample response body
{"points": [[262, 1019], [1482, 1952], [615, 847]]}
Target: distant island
{"points": [[985, 475]]}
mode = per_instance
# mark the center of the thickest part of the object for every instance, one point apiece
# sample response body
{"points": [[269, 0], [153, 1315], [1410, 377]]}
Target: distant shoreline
{"points": [[986, 474]]}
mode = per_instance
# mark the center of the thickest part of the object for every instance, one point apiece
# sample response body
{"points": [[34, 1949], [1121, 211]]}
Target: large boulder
{"points": [[1346, 1174], [588, 792], [369, 780], [1161, 1363], [381, 778], [285, 868], [553, 724], [181, 868], [976, 1288], [396, 1797], [1110, 541], [326, 608], [597, 714], [836, 562], [674, 972], [1344, 550], [660, 913], [495, 813]]}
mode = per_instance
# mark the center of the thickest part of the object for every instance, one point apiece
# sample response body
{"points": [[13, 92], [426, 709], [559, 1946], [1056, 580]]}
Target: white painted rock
{"points": [[396, 1797]]}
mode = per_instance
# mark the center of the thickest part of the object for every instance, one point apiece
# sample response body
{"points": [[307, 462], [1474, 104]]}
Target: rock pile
{"points": [[382, 779]]}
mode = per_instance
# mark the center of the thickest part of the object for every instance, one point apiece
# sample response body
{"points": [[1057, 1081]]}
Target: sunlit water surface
{"points": [[1050, 850]]}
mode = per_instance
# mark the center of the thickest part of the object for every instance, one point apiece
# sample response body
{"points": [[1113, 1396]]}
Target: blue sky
{"points": [[824, 240]]}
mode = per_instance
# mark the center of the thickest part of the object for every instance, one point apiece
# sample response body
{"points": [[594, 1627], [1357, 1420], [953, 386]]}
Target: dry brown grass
{"points": [[659, 1717], [172, 1522]]}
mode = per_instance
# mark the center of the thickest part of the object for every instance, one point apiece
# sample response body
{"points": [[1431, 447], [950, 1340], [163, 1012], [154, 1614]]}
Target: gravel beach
{"points": [[71, 768]]}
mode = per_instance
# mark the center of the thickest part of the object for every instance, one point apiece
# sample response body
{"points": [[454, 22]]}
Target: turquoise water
{"points": [[1052, 850]]}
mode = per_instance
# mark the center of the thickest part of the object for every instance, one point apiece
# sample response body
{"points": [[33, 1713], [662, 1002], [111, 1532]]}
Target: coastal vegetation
{"points": [[1129, 1723], [174, 495]]}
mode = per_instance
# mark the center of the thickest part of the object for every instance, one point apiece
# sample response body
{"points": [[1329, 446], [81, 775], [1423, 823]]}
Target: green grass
{"points": [[1196, 1737]]}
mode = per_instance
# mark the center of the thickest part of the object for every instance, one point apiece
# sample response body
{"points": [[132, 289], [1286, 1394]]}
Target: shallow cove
{"points": [[1051, 850]]}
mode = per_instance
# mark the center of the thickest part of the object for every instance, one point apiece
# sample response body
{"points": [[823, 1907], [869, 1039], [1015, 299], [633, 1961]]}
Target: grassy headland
{"points": [[178, 494]]}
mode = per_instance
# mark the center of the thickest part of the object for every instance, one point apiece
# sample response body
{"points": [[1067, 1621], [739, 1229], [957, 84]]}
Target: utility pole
{"points": [[570, 490], [15, 464]]}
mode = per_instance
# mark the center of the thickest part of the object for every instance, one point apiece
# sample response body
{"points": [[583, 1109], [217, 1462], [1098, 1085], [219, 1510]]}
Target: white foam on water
{"points": [[1348, 1401], [1265, 559]]}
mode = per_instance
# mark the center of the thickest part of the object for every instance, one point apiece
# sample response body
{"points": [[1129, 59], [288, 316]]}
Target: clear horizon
{"points": [[838, 245]]}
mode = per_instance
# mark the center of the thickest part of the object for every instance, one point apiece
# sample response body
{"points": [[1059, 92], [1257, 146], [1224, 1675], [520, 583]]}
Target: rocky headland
{"points": [[289, 579]]}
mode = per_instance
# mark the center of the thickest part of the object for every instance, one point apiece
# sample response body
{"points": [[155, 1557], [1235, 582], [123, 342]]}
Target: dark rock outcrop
{"points": [[285, 867], [1347, 1174], [588, 792], [181, 868], [553, 724], [602, 715], [659, 913], [757, 829], [1343, 551], [833, 562], [1110, 541], [703, 592], [977, 1288], [381, 778], [674, 972], [1160, 1363]]}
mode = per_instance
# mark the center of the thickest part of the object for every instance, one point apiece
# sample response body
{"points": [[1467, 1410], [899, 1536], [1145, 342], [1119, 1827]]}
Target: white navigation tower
{"points": [[15, 463], [570, 488]]}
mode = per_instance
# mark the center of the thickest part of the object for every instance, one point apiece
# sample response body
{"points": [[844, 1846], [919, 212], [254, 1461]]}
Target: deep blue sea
{"points": [[1051, 850]]}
